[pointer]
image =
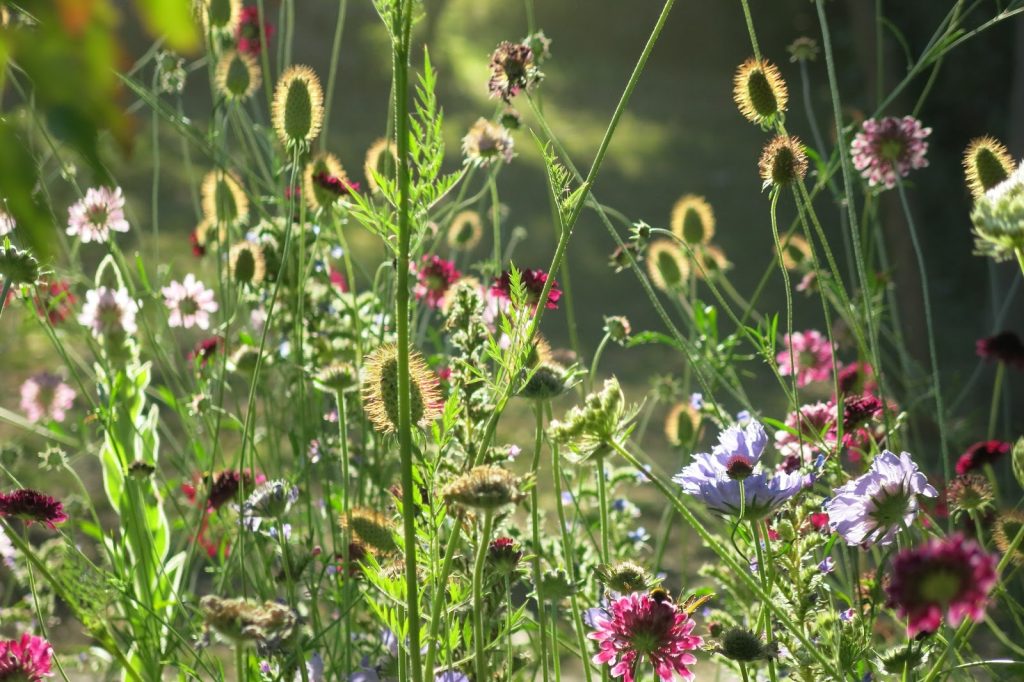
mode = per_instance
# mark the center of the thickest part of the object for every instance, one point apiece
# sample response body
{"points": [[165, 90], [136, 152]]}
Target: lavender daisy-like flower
{"points": [[951, 576], [877, 505], [32, 506], [637, 627], [46, 395], [29, 659], [189, 302], [887, 147], [812, 355], [109, 311], [97, 214], [716, 477]]}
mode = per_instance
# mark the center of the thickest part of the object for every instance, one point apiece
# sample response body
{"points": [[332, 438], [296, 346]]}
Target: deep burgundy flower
{"points": [[859, 409], [32, 505], [198, 248], [55, 300], [857, 377], [205, 349], [981, 453], [639, 626], [533, 281], [1006, 347], [335, 185], [951, 576], [28, 659], [248, 34], [504, 554]]}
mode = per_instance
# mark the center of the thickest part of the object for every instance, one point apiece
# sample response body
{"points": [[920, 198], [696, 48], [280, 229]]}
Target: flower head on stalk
{"points": [[731, 478], [880, 503], [998, 218], [981, 453], [97, 214], [693, 220], [1005, 347], [592, 429], [949, 576], [889, 147], [189, 303], [54, 300], [986, 164], [533, 282], [760, 92], [32, 506], [433, 279], [812, 355], [248, 36], [109, 312], [639, 626], [28, 659], [512, 70], [46, 395], [810, 430], [486, 143]]}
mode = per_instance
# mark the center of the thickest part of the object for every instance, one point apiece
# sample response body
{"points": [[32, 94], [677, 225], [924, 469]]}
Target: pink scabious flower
{"points": [[812, 429], [32, 506], [981, 453], [888, 146], [248, 35], [109, 311], [533, 281], [433, 278], [93, 217], [812, 354], [46, 395], [189, 302], [28, 659], [638, 626], [951, 576], [205, 349]]}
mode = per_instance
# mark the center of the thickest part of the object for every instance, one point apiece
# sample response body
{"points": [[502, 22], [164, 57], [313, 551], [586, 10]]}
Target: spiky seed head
{"points": [[1006, 527], [693, 220], [986, 163], [783, 162], [247, 264], [243, 359], [617, 328], [549, 380], [666, 265], [240, 621], [796, 252], [625, 577], [238, 76], [901, 660], [484, 487], [370, 527], [220, 16], [511, 119], [803, 49], [316, 195], [741, 644], [382, 161], [298, 108], [760, 91], [17, 266], [682, 424], [969, 493], [337, 378], [208, 232], [465, 231], [224, 200], [712, 261], [380, 390]]}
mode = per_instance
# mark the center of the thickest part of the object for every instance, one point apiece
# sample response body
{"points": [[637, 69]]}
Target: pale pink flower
{"points": [[7, 223], [109, 311], [46, 395], [812, 354], [816, 425], [888, 146], [189, 302], [92, 218]]}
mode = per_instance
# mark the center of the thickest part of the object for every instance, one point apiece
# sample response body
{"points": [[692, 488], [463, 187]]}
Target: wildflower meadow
{"points": [[458, 341]]}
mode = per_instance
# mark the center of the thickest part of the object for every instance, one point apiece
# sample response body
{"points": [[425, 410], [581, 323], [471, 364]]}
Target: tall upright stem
{"points": [[401, 32], [479, 646]]}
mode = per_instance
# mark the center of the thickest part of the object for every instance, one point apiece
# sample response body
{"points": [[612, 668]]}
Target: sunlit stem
{"points": [[479, 645]]}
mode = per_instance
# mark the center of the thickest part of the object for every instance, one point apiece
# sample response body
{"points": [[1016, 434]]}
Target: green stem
{"points": [[535, 527], [997, 393], [3, 294], [602, 502], [762, 572], [240, 671], [789, 291], [750, 29], [597, 359], [333, 72], [479, 646]]}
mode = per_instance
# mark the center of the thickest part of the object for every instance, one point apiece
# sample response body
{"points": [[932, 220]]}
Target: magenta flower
{"points": [[32, 505], [638, 626], [816, 425], [109, 311], [27, 659], [99, 212], [889, 146], [433, 279], [980, 454], [248, 35], [46, 395], [877, 505], [189, 302], [951, 576], [533, 281], [812, 354], [857, 377]]}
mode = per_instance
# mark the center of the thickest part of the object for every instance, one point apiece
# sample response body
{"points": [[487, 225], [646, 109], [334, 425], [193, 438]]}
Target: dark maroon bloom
{"points": [[32, 506], [1005, 347], [981, 453], [248, 35], [820, 521], [433, 279], [337, 186], [857, 377], [512, 70], [533, 281], [951, 576], [205, 349], [859, 409], [55, 300], [224, 486], [198, 248], [28, 659], [504, 554]]}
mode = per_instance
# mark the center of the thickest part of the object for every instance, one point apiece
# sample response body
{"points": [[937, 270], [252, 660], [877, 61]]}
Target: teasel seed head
{"points": [[298, 108], [986, 163], [666, 265], [625, 577], [760, 91], [238, 76], [380, 390], [370, 527], [247, 264], [682, 424], [783, 162], [382, 161], [484, 487], [224, 201], [465, 231], [693, 220], [317, 196]]}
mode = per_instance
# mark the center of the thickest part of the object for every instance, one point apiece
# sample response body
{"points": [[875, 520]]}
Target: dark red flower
{"points": [[248, 34], [981, 453], [1005, 347], [533, 281], [356, 554], [951, 576], [205, 349], [337, 186], [857, 377], [198, 248], [859, 409], [504, 554], [28, 659], [55, 300], [32, 506], [221, 487]]}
